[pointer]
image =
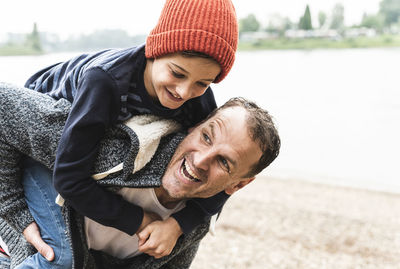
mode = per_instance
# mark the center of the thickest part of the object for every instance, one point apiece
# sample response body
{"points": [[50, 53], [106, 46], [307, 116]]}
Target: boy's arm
{"points": [[159, 237], [95, 102], [197, 209]]}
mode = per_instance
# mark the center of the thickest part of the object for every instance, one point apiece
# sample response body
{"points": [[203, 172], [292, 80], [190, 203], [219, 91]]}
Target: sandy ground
{"points": [[292, 224]]}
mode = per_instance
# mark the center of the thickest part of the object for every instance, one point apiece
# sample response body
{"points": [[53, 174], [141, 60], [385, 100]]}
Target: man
{"points": [[225, 152]]}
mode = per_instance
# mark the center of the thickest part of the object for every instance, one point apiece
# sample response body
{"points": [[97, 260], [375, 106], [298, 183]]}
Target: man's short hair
{"points": [[261, 129]]}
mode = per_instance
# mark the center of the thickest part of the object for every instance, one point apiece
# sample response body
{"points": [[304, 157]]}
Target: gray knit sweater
{"points": [[31, 124]]}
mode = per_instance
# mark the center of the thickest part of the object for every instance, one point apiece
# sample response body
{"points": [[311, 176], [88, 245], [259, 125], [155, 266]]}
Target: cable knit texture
{"points": [[33, 124], [207, 26]]}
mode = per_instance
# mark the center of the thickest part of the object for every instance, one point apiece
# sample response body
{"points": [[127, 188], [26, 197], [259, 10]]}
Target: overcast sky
{"points": [[139, 16]]}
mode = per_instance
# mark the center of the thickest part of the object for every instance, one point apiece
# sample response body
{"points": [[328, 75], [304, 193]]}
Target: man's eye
{"points": [[177, 75], [206, 138], [224, 162]]}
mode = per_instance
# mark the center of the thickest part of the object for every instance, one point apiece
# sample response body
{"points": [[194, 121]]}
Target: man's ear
{"points": [[232, 189]]}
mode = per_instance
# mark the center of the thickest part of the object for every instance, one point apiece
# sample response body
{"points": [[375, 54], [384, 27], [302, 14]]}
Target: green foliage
{"points": [[23, 44], [337, 17], [321, 18], [249, 24], [314, 43], [33, 40], [13, 49], [305, 21], [390, 10], [373, 21], [100, 39]]}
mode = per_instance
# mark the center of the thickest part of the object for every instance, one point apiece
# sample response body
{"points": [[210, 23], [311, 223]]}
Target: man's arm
{"points": [[15, 117], [13, 205]]}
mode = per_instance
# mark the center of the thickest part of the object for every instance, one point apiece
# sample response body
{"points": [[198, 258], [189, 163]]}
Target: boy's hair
{"points": [[261, 129], [206, 26], [192, 53]]}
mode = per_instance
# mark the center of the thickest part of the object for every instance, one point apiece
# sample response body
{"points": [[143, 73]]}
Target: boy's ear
{"points": [[232, 189]]}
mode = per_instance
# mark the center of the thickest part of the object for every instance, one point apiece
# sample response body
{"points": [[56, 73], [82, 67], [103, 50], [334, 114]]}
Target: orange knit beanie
{"points": [[207, 26]]}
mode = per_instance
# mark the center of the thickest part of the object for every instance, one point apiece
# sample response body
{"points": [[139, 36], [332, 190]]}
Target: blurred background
{"points": [[327, 70]]}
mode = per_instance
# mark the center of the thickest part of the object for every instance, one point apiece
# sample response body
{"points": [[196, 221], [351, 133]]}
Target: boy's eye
{"points": [[176, 74], [202, 84]]}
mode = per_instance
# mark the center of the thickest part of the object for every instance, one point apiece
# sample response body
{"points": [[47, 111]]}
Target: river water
{"points": [[338, 111]]}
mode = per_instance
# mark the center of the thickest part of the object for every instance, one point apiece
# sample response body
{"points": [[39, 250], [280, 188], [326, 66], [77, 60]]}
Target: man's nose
{"points": [[202, 159]]}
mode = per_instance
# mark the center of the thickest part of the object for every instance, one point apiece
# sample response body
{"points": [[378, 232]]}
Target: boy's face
{"points": [[215, 156], [173, 79]]}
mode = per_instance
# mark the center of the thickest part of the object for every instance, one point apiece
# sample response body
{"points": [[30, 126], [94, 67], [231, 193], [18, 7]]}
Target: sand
{"points": [[292, 224]]}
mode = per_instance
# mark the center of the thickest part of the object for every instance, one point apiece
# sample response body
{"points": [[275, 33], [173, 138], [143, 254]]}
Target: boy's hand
{"points": [[148, 217], [32, 235], [159, 237]]}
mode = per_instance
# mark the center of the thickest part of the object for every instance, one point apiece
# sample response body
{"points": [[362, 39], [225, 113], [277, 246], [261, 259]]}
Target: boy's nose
{"points": [[183, 91]]}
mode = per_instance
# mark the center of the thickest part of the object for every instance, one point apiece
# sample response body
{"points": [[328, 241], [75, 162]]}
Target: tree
{"points": [[390, 10], [278, 24], [372, 21], [337, 17], [249, 24], [33, 39], [321, 18], [305, 21]]}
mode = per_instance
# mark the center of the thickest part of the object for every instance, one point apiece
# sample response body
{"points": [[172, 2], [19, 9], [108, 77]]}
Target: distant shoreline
{"points": [[381, 41]]}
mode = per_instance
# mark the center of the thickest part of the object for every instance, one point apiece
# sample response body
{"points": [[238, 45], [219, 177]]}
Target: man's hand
{"points": [[32, 235], [158, 238]]}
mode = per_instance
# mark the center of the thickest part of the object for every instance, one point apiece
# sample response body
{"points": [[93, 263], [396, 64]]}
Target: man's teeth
{"points": [[188, 172]]}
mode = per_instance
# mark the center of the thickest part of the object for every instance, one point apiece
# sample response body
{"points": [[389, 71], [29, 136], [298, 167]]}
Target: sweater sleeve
{"points": [[13, 205], [198, 209], [95, 108]]}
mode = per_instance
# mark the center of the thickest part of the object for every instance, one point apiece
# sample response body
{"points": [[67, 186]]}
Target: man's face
{"points": [[215, 156], [173, 79]]}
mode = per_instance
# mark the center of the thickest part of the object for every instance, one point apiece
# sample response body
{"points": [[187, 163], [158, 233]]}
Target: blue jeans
{"points": [[40, 196], [4, 262]]}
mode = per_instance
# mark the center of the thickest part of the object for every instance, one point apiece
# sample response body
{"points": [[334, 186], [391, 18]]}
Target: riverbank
{"points": [[292, 224], [8, 50], [381, 41]]}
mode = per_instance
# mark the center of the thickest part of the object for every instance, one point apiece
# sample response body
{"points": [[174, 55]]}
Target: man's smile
{"points": [[188, 173]]}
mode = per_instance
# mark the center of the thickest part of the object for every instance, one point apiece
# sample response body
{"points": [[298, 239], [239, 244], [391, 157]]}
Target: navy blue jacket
{"points": [[106, 88]]}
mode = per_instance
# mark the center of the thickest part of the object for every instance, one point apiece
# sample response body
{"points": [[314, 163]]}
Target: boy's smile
{"points": [[173, 79]]}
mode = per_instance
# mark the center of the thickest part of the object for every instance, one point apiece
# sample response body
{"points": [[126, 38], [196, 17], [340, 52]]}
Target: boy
{"points": [[192, 45]]}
